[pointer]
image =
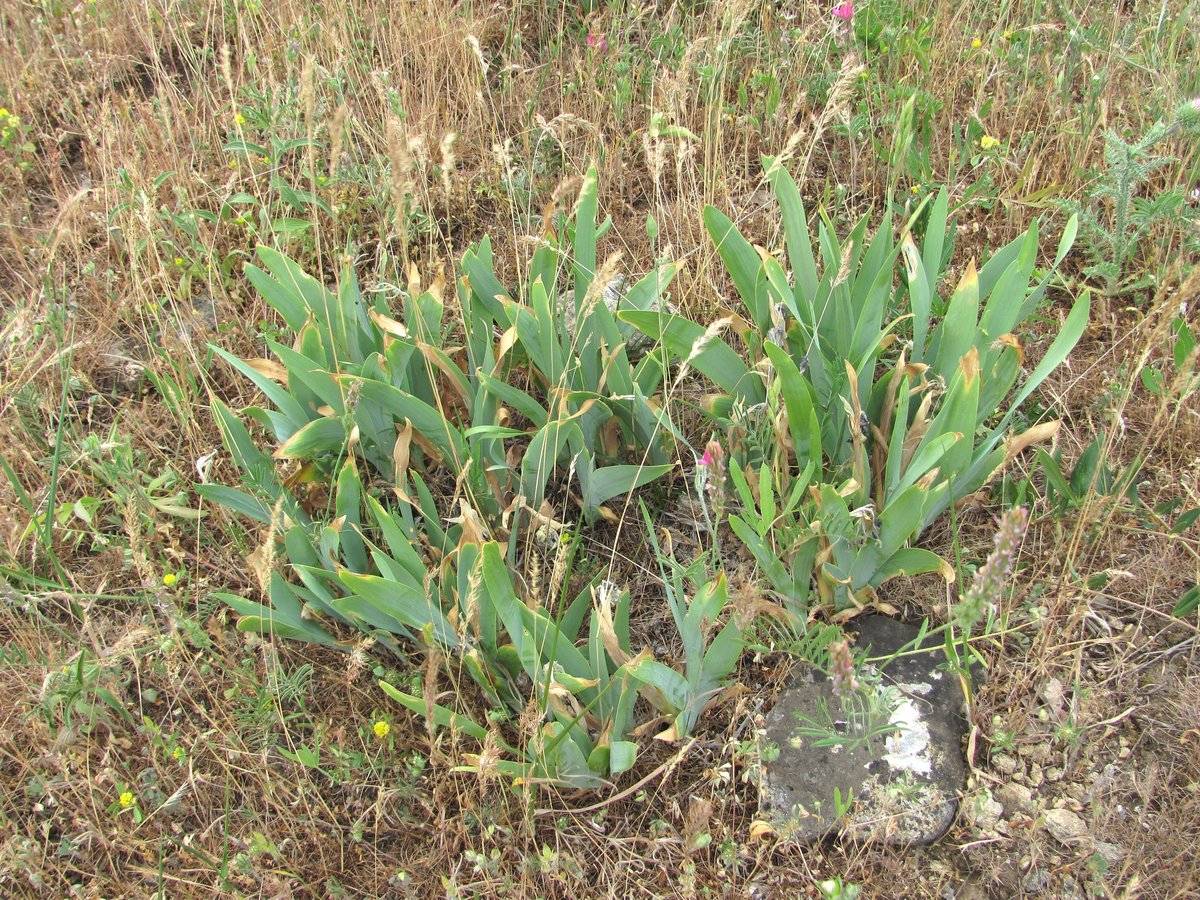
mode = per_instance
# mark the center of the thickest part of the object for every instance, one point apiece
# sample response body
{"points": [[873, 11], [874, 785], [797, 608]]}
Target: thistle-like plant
{"points": [[1114, 219]]}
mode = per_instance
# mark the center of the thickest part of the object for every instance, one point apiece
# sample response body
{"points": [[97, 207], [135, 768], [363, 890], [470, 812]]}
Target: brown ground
{"points": [[1086, 738]]}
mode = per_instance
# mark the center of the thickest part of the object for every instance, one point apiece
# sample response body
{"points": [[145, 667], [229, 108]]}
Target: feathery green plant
{"points": [[1114, 219]]}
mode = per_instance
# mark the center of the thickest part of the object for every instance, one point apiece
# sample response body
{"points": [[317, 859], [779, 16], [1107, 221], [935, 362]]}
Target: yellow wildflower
{"points": [[381, 729], [987, 142], [240, 119], [169, 579], [126, 800], [976, 44]]}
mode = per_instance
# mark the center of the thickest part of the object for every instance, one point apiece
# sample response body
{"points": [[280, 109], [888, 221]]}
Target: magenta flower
{"points": [[843, 11], [596, 42], [992, 579], [841, 669], [711, 474]]}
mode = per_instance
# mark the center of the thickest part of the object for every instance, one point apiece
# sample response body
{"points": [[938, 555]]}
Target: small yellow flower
{"points": [[4, 113], [976, 44], [1008, 35], [169, 579], [240, 119], [233, 164], [381, 729], [179, 260], [916, 189], [987, 142], [126, 800], [178, 753], [265, 160]]}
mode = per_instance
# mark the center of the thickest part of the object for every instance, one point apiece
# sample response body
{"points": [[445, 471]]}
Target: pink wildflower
{"points": [[712, 473], [841, 665], [843, 11], [992, 578], [596, 42]]}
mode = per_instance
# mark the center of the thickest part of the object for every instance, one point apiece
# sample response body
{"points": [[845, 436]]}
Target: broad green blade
{"points": [[665, 680], [743, 264], [795, 228], [324, 435], [403, 603], [442, 716], [612, 481], [716, 360]]}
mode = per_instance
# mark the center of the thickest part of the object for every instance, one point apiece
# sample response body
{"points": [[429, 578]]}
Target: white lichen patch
{"points": [[908, 748]]}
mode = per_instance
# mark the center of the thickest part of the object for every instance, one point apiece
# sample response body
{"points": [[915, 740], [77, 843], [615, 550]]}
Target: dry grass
{"points": [[482, 111]]}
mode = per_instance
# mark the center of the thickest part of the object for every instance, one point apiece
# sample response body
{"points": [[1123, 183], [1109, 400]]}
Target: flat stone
{"points": [[1112, 853], [1038, 753], [983, 812], [1036, 881], [1016, 799], [1066, 827], [1004, 763], [904, 783], [615, 292]]}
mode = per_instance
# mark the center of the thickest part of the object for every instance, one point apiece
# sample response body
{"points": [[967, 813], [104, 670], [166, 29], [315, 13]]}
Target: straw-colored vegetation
{"points": [[198, 606]]}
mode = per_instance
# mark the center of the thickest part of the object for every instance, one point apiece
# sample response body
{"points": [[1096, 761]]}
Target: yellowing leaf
{"points": [[970, 366], [507, 341], [608, 631], [1010, 340], [912, 258], [437, 287], [388, 325], [669, 735], [608, 515], [401, 452], [269, 368], [610, 436], [1035, 435], [759, 830], [454, 375], [947, 572], [473, 529]]}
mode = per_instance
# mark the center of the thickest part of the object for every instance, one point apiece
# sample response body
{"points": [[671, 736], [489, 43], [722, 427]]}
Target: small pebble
{"points": [[1002, 762]]}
